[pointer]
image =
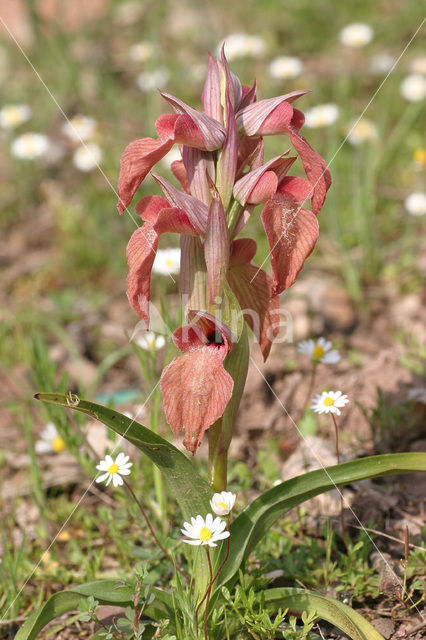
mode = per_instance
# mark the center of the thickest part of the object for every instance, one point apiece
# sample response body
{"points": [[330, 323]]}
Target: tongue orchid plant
{"points": [[223, 176]]}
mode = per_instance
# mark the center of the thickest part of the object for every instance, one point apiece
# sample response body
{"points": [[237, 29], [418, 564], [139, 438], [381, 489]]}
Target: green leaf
{"points": [[255, 521], [191, 491], [339, 614], [105, 591]]}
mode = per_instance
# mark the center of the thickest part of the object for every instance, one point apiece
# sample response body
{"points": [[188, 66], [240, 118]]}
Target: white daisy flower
{"points": [[382, 63], [30, 146], [356, 35], [141, 51], [323, 115], [114, 469], [152, 80], [80, 128], [171, 156], [150, 342], [242, 45], [418, 65], [319, 350], [12, 115], [415, 203], [413, 88], [206, 531], [329, 402], [363, 131], [87, 157], [285, 67], [167, 261], [50, 440], [223, 503]]}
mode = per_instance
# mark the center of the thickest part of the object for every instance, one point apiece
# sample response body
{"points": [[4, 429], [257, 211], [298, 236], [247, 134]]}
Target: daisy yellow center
{"points": [[318, 352], [113, 469], [205, 534], [221, 504], [58, 444], [420, 157], [328, 401], [169, 262], [13, 116]]}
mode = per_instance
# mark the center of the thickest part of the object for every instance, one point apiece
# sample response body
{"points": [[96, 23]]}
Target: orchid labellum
{"points": [[222, 177]]}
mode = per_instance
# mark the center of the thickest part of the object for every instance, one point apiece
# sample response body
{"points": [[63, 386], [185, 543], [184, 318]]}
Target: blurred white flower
{"points": [[362, 131], [167, 261], [323, 115], [285, 67], [114, 469], [141, 51], [242, 45], [79, 128], [329, 402], [152, 80], [415, 203], [30, 146], [223, 503], [413, 88], [12, 115], [206, 531], [319, 350], [382, 63], [356, 35], [149, 341], [418, 65], [50, 440], [87, 157], [171, 156]]}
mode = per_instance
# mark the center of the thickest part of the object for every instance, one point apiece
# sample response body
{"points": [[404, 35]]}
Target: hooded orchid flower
{"points": [[222, 177]]}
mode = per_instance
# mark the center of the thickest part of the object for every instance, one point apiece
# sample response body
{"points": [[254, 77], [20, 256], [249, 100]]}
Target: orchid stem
{"points": [[151, 528], [342, 518]]}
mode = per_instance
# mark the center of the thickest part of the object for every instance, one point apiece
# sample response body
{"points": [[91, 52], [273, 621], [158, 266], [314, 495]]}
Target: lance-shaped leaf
{"points": [[268, 117], [315, 168], [142, 247], [254, 290], [212, 132], [292, 233], [261, 184], [196, 388], [199, 165], [196, 210], [228, 157], [216, 246]]}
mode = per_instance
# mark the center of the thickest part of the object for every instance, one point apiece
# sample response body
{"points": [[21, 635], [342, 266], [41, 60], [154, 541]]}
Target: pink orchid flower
{"points": [[223, 177]]}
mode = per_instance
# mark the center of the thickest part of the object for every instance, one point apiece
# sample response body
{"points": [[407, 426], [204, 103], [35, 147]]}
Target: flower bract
{"points": [[206, 531], [329, 402], [114, 469]]}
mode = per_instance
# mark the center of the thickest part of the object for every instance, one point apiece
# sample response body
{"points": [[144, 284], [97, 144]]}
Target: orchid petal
{"points": [[269, 116], [249, 186], [250, 153], [198, 165], [292, 233], [137, 160], [197, 211], [254, 290], [179, 172], [297, 187], [212, 131], [315, 168], [196, 389]]}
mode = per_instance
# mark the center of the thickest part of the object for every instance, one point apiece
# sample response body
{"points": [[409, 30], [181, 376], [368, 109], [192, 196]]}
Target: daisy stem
{"points": [[151, 528], [215, 578], [209, 588], [342, 519], [309, 394]]}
